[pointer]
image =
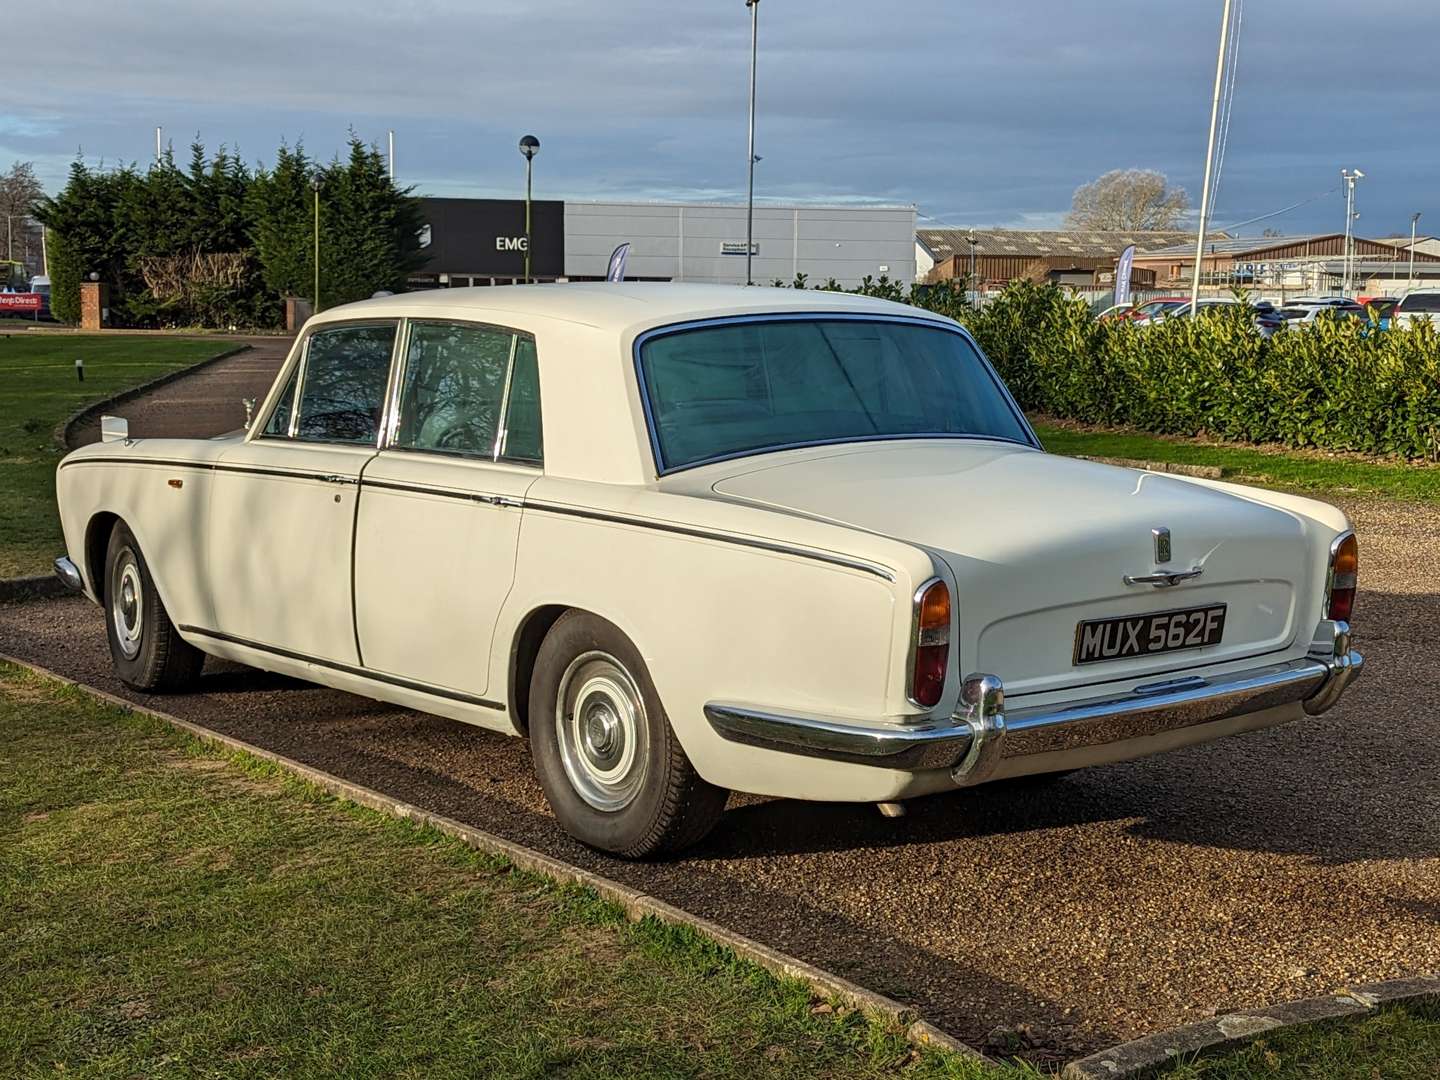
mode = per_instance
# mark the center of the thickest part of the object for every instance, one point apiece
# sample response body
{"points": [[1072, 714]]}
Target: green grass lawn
{"points": [[1394, 1044], [166, 910], [1306, 472], [38, 390]]}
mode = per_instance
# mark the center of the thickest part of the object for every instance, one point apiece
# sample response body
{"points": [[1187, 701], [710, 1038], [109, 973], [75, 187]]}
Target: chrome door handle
{"points": [[1163, 579], [336, 478]]}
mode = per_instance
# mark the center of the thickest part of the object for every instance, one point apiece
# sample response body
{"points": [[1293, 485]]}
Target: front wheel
{"points": [[611, 766], [147, 651]]}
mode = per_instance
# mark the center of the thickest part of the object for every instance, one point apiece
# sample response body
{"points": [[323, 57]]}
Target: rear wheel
{"points": [[147, 651], [611, 766]]}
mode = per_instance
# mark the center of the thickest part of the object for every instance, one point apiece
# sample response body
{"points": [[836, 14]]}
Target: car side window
{"points": [[454, 391], [342, 390], [279, 422], [521, 439]]}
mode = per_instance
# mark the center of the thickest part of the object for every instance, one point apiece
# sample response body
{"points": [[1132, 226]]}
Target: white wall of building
{"points": [[705, 242]]}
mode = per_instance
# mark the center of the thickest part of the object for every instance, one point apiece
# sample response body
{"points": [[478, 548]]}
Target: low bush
{"points": [[1333, 385]]}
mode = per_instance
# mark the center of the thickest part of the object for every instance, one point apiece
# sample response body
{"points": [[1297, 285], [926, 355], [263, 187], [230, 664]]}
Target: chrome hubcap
{"points": [[127, 604], [600, 724]]}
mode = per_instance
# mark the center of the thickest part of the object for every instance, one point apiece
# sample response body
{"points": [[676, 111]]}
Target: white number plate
{"points": [[1127, 636]]}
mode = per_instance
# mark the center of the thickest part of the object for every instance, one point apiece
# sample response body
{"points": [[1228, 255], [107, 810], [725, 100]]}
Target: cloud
{"points": [[979, 113]]}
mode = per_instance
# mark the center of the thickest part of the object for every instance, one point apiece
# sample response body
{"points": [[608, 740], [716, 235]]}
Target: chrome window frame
{"points": [[300, 361], [658, 456], [399, 365]]}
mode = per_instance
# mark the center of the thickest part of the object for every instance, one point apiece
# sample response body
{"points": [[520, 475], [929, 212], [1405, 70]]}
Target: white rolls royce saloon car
{"points": [[694, 539]]}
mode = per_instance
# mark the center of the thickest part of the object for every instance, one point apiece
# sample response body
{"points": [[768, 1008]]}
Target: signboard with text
{"points": [[25, 301]]}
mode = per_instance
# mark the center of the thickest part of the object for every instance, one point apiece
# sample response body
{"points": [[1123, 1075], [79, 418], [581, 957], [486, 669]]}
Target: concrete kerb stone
{"points": [[1149, 1055], [39, 587], [1204, 472], [635, 904], [65, 429]]}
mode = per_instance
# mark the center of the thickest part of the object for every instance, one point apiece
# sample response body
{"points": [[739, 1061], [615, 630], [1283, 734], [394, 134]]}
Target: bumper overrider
{"points": [[69, 573], [984, 739]]}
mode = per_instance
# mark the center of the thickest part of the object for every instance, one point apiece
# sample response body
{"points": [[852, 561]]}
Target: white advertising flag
{"points": [[616, 270], [1122, 275]]}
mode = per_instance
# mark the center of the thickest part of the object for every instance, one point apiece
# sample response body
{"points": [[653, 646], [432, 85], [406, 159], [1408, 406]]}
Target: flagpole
{"points": [[1210, 157], [754, 6]]}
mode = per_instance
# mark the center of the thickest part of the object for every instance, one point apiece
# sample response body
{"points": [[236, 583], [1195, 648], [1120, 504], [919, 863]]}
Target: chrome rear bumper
{"points": [[983, 737]]}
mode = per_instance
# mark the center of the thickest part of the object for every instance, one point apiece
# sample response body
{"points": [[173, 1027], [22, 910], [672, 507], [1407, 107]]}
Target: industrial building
{"points": [[1313, 263], [1080, 258], [482, 242]]}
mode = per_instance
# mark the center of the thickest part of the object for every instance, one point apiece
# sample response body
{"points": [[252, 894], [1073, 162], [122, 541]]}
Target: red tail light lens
{"points": [[931, 645], [1344, 567]]}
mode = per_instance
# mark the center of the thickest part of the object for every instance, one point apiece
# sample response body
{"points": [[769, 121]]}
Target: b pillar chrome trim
{"points": [[69, 573], [982, 710]]}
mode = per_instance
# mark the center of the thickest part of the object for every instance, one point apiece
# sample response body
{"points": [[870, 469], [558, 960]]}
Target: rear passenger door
{"points": [[439, 510]]}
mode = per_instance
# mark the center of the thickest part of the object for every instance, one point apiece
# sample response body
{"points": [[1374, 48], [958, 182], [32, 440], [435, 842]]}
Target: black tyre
{"points": [[148, 653], [609, 761]]}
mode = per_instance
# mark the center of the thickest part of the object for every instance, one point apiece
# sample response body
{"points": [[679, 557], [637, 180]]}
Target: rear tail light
{"points": [[1344, 563], [931, 646]]}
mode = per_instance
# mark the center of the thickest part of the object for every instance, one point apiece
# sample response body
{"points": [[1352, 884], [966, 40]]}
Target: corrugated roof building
{"points": [[1080, 257]]}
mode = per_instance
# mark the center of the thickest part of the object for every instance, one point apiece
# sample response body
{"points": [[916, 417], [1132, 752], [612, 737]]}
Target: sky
{"points": [[979, 113]]}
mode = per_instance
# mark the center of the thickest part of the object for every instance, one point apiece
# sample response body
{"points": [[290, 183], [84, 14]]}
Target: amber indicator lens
{"points": [[1344, 574], [932, 645]]}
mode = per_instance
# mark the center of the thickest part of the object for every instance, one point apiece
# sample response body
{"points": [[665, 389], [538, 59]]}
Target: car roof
{"points": [[615, 306]]}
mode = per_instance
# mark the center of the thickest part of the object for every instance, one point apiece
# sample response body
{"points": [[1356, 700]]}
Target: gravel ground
{"points": [[1114, 903], [1117, 902]]}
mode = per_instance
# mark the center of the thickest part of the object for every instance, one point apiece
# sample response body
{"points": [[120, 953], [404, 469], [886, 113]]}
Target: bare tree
{"points": [[1128, 200], [19, 194]]}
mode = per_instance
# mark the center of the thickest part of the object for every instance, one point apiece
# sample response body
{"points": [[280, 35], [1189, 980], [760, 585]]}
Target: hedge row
{"points": [[1331, 385]]}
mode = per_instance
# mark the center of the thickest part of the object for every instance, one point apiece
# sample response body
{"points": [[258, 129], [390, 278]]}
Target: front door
{"points": [[283, 503], [440, 507]]}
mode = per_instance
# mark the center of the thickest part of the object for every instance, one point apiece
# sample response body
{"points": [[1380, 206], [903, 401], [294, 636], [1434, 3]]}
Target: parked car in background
{"points": [[1158, 308], [1415, 305], [1297, 313], [1266, 319], [1378, 310], [691, 539]]}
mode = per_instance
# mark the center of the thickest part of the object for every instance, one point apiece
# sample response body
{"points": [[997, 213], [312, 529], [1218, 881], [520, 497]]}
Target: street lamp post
{"points": [[1349, 176], [974, 292], [315, 186], [1414, 221], [529, 146], [754, 6]]}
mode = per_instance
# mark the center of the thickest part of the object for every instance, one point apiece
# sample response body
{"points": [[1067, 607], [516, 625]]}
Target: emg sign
{"points": [[487, 237]]}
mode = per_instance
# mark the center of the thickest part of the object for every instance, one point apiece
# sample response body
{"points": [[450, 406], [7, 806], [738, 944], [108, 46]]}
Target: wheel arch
{"points": [[97, 541], [524, 648], [530, 632]]}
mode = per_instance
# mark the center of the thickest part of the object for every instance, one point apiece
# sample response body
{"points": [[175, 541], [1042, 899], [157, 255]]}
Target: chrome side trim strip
{"points": [[348, 669], [849, 562], [215, 466], [814, 554], [69, 573]]}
